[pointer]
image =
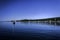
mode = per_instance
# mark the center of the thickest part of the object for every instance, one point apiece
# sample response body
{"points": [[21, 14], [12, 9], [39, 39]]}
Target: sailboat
{"points": [[13, 22]]}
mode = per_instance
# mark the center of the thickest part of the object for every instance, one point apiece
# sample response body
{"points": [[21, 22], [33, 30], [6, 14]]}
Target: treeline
{"points": [[46, 19]]}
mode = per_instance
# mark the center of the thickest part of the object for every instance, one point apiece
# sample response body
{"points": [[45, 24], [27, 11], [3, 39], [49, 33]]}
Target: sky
{"points": [[28, 9]]}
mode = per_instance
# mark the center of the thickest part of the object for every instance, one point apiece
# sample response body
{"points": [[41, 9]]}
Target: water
{"points": [[29, 31]]}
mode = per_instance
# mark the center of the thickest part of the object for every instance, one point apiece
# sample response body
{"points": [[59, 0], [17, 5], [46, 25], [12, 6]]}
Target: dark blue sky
{"points": [[29, 9]]}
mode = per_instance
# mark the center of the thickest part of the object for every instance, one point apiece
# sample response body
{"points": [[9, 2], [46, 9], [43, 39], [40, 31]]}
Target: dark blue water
{"points": [[29, 31]]}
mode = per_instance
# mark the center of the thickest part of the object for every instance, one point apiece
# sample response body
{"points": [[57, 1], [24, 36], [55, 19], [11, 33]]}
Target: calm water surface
{"points": [[28, 31]]}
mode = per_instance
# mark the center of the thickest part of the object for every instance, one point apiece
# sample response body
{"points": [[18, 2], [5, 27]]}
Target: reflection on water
{"points": [[29, 31], [13, 27], [49, 23]]}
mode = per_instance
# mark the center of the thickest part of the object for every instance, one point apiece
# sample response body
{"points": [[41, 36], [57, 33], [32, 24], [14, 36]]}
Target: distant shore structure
{"points": [[53, 20]]}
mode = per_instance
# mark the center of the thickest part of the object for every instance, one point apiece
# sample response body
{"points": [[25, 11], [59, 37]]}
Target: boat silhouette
{"points": [[13, 22]]}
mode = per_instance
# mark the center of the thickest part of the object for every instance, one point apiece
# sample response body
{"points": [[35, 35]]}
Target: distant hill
{"points": [[46, 19]]}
